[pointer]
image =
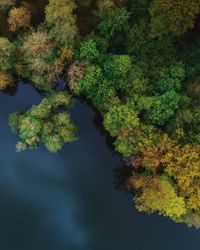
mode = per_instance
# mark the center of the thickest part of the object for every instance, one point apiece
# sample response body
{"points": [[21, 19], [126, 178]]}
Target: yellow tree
{"points": [[6, 54], [178, 194], [169, 16], [19, 18], [157, 194], [36, 50], [6, 80], [183, 165]]}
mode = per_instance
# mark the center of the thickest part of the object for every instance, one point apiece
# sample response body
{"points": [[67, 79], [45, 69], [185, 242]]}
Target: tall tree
{"points": [[169, 16], [61, 19]]}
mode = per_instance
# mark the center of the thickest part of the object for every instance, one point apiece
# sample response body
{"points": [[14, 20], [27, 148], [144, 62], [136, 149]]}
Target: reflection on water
{"points": [[68, 201]]}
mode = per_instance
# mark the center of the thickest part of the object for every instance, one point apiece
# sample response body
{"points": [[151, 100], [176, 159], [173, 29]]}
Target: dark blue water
{"points": [[68, 201]]}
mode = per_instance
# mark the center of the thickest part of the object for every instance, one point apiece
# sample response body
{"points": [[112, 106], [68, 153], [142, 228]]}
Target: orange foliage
{"points": [[19, 18]]}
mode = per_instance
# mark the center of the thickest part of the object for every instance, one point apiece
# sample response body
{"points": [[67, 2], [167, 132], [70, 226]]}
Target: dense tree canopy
{"points": [[137, 63], [44, 123], [168, 16]]}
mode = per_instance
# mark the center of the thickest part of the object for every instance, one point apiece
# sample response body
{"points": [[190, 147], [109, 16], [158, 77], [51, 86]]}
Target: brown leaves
{"points": [[75, 72], [19, 18], [6, 80]]}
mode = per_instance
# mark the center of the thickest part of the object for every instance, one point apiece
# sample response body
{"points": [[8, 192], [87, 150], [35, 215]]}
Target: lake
{"points": [[69, 200]]}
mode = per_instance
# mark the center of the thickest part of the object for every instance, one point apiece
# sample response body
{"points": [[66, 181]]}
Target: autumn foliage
{"points": [[19, 18], [137, 63]]}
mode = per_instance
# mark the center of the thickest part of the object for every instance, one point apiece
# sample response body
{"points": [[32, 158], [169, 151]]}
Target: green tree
{"points": [[44, 123], [6, 54], [116, 21], [89, 51], [61, 20], [90, 82], [170, 79], [163, 107], [119, 118]]}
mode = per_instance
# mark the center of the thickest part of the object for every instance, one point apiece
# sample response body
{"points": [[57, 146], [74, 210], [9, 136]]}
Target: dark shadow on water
{"points": [[121, 175], [11, 91], [22, 223], [98, 123]]}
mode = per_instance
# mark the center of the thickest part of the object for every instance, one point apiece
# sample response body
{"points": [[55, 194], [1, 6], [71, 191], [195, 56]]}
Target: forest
{"points": [[138, 63]]}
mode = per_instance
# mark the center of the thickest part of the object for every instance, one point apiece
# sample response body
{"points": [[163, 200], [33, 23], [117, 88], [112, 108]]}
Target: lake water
{"points": [[69, 200]]}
